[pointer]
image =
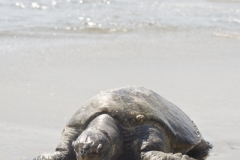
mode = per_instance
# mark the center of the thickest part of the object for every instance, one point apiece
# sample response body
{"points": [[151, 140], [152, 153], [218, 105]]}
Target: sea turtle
{"points": [[130, 123]]}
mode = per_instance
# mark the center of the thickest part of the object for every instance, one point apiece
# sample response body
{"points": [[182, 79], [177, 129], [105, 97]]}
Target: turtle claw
{"points": [[158, 155], [49, 156]]}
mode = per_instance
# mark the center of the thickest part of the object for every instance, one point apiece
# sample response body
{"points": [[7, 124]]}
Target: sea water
{"points": [[57, 54], [104, 16]]}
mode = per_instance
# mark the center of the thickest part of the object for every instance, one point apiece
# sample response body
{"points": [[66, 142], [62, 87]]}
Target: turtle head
{"points": [[92, 144]]}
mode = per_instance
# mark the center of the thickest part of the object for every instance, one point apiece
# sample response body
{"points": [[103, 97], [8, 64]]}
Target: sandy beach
{"points": [[45, 78]]}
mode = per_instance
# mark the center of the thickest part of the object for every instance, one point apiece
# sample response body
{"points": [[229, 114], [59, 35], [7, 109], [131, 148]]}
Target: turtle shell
{"points": [[133, 106]]}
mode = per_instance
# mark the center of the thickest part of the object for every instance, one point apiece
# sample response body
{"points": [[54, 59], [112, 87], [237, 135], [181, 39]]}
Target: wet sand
{"points": [[45, 79]]}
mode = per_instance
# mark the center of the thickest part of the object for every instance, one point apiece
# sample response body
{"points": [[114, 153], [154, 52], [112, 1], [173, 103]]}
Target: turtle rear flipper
{"points": [[201, 150]]}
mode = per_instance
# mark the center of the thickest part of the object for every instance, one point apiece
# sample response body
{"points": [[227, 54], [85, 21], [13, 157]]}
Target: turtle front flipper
{"points": [[156, 155], [153, 144], [64, 150]]}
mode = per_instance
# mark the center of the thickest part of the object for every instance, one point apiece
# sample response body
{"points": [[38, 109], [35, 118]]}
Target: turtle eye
{"points": [[82, 152]]}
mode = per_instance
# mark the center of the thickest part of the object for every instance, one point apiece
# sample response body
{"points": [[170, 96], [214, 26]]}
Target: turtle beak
{"points": [[81, 155]]}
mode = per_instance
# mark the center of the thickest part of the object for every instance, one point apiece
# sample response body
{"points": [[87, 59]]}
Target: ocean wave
{"points": [[107, 16], [227, 34]]}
